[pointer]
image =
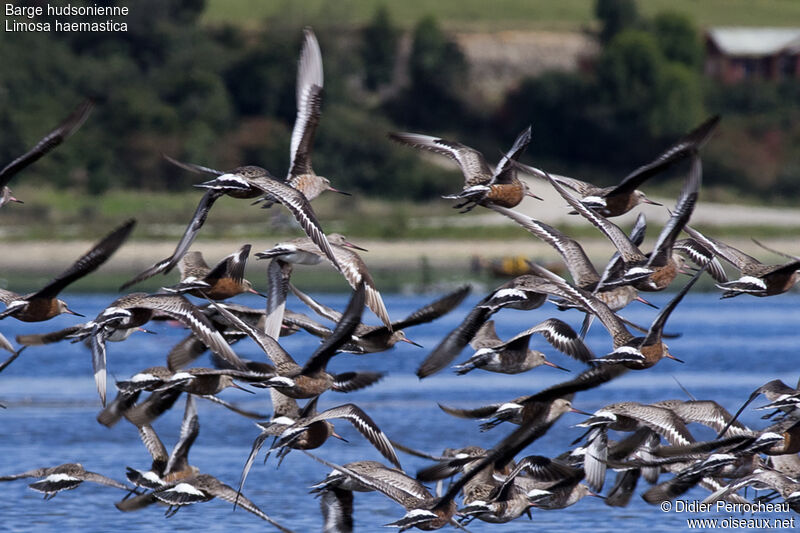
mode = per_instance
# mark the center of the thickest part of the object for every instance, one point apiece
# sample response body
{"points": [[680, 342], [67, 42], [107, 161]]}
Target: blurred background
{"points": [[606, 84]]}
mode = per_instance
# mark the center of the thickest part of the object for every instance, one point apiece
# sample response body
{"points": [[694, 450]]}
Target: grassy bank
{"points": [[412, 246], [50, 214], [497, 15], [421, 278]]}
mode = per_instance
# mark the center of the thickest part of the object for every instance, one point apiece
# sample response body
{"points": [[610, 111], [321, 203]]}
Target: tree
{"points": [[629, 72], [436, 61], [557, 103], [437, 69], [262, 81], [352, 151], [679, 102], [678, 38], [378, 49], [615, 16]]}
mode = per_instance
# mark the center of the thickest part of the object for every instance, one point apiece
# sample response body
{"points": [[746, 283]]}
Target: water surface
{"points": [[729, 347]]}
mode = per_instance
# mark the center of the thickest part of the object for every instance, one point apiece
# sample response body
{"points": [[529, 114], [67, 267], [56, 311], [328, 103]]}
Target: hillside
{"points": [[479, 15]]}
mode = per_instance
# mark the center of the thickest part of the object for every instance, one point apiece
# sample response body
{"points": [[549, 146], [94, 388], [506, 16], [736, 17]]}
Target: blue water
{"points": [[729, 347]]}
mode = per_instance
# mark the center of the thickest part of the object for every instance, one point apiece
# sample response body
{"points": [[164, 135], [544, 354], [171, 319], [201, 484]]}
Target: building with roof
{"points": [[742, 53]]}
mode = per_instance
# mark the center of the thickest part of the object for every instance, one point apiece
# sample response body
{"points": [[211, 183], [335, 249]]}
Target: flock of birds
{"points": [[494, 485]]}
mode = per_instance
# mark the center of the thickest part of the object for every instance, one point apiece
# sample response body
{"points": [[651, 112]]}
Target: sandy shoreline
{"points": [[53, 256]]}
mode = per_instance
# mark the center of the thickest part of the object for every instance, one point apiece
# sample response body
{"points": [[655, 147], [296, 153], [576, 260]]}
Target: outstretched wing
{"points": [[69, 126], [89, 262], [309, 101], [687, 145], [364, 424], [504, 172], [198, 219], [471, 161], [296, 202]]}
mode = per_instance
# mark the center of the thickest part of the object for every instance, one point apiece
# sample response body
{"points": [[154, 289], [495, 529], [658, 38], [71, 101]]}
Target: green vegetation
{"points": [[184, 82], [648, 86], [476, 14], [379, 49], [615, 16], [496, 15], [437, 71]]}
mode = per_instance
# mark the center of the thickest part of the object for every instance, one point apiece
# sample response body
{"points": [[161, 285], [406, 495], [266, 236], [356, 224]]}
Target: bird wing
{"points": [[38, 339], [309, 102], [167, 264], [581, 187], [111, 414], [89, 262], [193, 264], [190, 428], [94, 477], [479, 412], [662, 421], [486, 337], [341, 334], [284, 363], [610, 320], [687, 145], [37, 472], [7, 296], [189, 315], [231, 266], [504, 172], [233, 407], [254, 449], [154, 406], [192, 167], [62, 132], [278, 275], [4, 344], [456, 340], [321, 309], [630, 253], [385, 484], [98, 343], [708, 413], [155, 447], [699, 255], [351, 381], [300, 207], [654, 334], [302, 321], [435, 309], [662, 250], [745, 263], [225, 492], [580, 268], [561, 336], [364, 424], [185, 352], [337, 510], [355, 272], [473, 165]]}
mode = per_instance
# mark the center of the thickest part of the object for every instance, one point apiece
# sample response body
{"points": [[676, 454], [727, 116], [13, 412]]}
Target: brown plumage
{"points": [[44, 304], [224, 281], [482, 186], [370, 339], [241, 182], [312, 379], [619, 199]]}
